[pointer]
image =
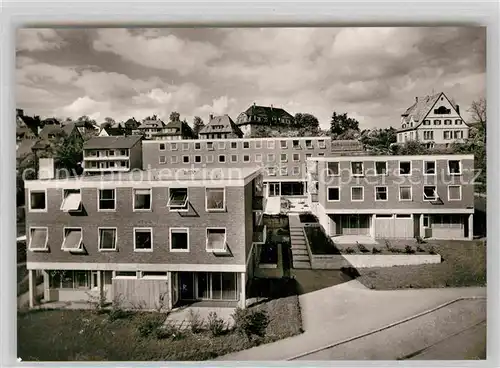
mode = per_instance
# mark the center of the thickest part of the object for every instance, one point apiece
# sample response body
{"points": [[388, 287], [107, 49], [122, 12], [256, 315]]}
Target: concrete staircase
{"points": [[300, 256]]}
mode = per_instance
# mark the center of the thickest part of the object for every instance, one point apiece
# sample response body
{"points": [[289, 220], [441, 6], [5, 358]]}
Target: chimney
{"points": [[458, 109], [210, 117], [416, 99]]}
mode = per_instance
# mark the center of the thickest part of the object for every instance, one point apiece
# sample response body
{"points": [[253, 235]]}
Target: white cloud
{"points": [[38, 39]]}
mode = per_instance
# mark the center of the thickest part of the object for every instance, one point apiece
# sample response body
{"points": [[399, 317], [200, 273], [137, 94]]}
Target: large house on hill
{"points": [[433, 120], [220, 127], [256, 116], [175, 130]]}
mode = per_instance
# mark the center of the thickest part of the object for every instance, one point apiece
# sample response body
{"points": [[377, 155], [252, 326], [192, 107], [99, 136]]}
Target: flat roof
{"points": [[222, 176], [112, 142], [393, 158]]}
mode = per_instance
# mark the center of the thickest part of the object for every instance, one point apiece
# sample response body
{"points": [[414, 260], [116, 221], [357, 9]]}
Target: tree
{"points": [[379, 140], [108, 122], [175, 116], [342, 125], [306, 124], [411, 148], [69, 154], [198, 125], [478, 121]]}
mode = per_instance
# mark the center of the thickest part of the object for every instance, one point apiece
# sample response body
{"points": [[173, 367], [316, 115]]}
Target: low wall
{"points": [[335, 262]]}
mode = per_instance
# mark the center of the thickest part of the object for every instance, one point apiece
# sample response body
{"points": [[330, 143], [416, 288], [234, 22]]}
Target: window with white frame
{"points": [[357, 168], [222, 158], [179, 239], [234, 158], [454, 193], [173, 146], [142, 199], [381, 193], [215, 199], [175, 159], [270, 144], [333, 168], [428, 135], [185, 146], [258, 144], [210, 159], [125, 275], [454, 167], [210, 145], [197, 159], [246, 144], [296, 170], [234, 145], [197, 146], [178, 199], [283, 144], [106, 199], [38, 200], [185, 159], [321, 143], [430, 193], [162, 146], [357, 193], [72, 200], [429, 167], [333, 194], [381, 167], [405, 193], [404, 167], [246, 158], [284, 171], [283, 157], [270, 157], [258, 157], [39, 237], [271, 171], [107, 238], [143, 239], [447, 134], [70, 279], [222, 145], [162, 159], [72, 239], [296, 157], [216, 239], [309, 143]]}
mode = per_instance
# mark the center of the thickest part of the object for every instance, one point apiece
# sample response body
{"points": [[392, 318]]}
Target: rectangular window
{"points": [[246, 144], [106, 199], [333, 194], [173, 146], [222, 158], [454, 167], [215, 199], [447, 122], [447, 134], [72, 239], [162, 146], [111, 152], [321, 154], [234, 145], [321, 143], [283, 144], [246, 158], [154, 275], [258, 157], [271, 171], [162, 160], [216, 239], [437, 122], [283, 157], [333, 168], [309, 143], [427, 122], [430, 193], [142, 199], [405, 193], [270, 144], [258, 144], [284, 171], [357, 168], [143, 239], [72, 200], [308, 155], [197, 159], [38, 238], [381, 193], [210, 159], [427, 221], [458, 134], [125, 275], [107, 238], [296, 157], [197, 145], [175, 159], [210, 146], [179, 239], [454, 193], [270, 157], [381, 167], [296, 143], [404, 167], [296, 170], [458, 121], [234, 158], [222, 145], [38, 200], [185, 159], [178, 199], [429, 167], [357, 194], [185, 146]]}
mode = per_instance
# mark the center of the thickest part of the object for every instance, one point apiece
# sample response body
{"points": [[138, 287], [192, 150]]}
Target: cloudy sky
{"points": [[373, 74]]}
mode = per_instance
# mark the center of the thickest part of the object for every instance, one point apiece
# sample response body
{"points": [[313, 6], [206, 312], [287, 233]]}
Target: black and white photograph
{"points": [[251, 194]]}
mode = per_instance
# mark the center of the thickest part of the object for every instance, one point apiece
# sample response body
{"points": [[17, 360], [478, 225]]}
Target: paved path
{"points": [[340, 312]]}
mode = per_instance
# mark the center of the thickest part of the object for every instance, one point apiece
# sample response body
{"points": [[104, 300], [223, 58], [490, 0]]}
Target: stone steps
{"points": [[302, 264], [299, 252], [301, 258]]}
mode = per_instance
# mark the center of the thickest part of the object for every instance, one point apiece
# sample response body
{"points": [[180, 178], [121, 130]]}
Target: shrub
{"points": [[362, 248], [149, 327], [375, 250], [169, 331], [251, 322], [118, 313], [420, 249], [196, 321], [349, 250], [388, 244], [215, 324], [432, 250], [409, 249]]}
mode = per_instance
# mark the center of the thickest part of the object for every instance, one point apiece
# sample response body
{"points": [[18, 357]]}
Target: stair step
{"points": [[302, 264], [299, 252], [298, 241], [299, 258]]}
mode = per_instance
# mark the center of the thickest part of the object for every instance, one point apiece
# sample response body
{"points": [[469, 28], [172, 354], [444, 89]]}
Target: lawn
{"points": [[82, 335], [463, 264], [319, 242]]}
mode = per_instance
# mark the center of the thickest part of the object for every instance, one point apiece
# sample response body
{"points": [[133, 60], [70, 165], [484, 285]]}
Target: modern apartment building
{"points": [[112, 154], [433, 120], [145, 237], [282, 159], [394, 196]]}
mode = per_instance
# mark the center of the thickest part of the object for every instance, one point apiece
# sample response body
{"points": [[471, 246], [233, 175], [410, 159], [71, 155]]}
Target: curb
{"points": [[386, 327]]}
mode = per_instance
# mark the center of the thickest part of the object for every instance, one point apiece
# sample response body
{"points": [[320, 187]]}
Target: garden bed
{"points": [[84, 335], [319, 242]]}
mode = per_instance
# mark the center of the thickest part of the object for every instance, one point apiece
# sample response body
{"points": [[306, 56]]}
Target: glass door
{"points": [[203, 285], [274, 189]]}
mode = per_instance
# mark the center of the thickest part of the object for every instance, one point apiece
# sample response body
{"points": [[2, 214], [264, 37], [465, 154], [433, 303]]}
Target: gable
{"points": [[443, 109]]}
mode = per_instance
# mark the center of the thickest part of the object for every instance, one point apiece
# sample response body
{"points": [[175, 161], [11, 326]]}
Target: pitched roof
{"points": [[24, 148], [69, 128], [112, 142], [221, 124], [48, 130], [267, 111], [114, 131], [151, 124], [420, 108], [181, 127]]}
